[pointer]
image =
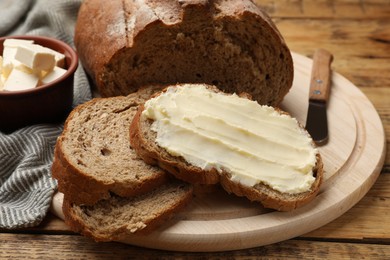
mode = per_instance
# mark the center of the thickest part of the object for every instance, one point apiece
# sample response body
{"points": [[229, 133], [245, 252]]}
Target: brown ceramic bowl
{"points": [[49, 103]]}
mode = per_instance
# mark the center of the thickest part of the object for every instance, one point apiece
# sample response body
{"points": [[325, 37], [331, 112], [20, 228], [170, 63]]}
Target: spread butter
{"points": [[253, 143]]}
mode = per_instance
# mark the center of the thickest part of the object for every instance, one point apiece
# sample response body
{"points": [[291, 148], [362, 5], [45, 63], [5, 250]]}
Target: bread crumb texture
{"points": [[96, 141], [115, 217], [231, 44]]}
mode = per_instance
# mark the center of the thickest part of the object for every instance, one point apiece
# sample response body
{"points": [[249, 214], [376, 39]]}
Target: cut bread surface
{"points": [[109, 192], [93, 156], [115, 217], [231, 44], [280, 195]]}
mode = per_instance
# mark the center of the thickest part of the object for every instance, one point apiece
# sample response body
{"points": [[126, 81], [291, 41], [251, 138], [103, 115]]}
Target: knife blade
{"points": [[320, 84]]}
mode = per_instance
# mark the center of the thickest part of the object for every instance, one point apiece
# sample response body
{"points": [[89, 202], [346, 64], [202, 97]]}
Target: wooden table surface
{"points": [[358, 35]]}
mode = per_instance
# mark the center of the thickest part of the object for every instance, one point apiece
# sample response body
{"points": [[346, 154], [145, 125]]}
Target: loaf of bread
{"points": [[125, 45], [282, 151], [114, 218], [93, 156]]}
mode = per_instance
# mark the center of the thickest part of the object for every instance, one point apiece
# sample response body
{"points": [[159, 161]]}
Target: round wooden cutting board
{"points": [[353, 158]]}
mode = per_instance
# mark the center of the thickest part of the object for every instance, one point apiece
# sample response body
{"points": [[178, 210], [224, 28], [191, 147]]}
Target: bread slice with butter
{"points": [[93, 156], [204, 136]]}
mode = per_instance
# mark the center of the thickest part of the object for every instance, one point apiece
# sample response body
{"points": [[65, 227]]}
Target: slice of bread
{"points": [[228, 43], [116, 217], [93, 156], [143, 139]]}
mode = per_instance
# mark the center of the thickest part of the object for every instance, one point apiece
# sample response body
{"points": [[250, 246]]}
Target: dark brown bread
{"points": [[232, 44], [116, 217], [93, 156], [143, 139], [274, 199]]}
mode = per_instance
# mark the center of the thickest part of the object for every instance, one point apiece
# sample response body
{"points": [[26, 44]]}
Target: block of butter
{"points": [[26, 65], [1, 65], [59, 57], [16, 42], [9, 51], [10, 46], [1, 73], [52, 75], [35, 57], [20, 80]]}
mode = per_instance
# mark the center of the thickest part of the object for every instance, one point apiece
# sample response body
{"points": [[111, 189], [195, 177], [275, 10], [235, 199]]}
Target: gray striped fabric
{"points": [[26, 155]]}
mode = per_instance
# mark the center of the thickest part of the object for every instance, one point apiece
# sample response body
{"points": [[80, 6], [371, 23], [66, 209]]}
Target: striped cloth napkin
{"points": [[26, 155]]}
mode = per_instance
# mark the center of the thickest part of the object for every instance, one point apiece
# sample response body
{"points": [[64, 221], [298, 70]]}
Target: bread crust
{"points": [[77, 191], [271, 198], [98, 16], [151, 153], [122, 29], [82, 188], [88, 199], [80, 225]]}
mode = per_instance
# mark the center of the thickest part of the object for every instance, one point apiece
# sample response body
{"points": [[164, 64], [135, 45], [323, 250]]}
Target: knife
{"points": [[317, 122]]}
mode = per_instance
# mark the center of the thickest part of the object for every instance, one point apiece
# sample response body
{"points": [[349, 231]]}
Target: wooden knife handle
{"points": [[320, 76]]}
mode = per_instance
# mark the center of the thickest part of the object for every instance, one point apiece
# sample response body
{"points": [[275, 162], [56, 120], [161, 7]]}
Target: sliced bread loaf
{"points": [[93, 156], [229, 43], [115, 217], [254, 151]]}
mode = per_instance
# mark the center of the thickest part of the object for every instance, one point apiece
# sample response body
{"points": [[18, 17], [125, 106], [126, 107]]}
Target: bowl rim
{"points": [[69, 71]]}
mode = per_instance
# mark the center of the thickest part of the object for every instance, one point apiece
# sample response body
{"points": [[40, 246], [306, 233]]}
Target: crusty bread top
{"points": [[117, 217], [93, 155], [231, 44], [143, 139]]}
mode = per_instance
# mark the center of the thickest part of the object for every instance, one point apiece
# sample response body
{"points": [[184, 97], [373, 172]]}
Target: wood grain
{"points": [[361, 49], [19, 246], [321, 9], [320, 83], [371, 226], [380, 97], [352, 161], [367, 220], [358, 35]]}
